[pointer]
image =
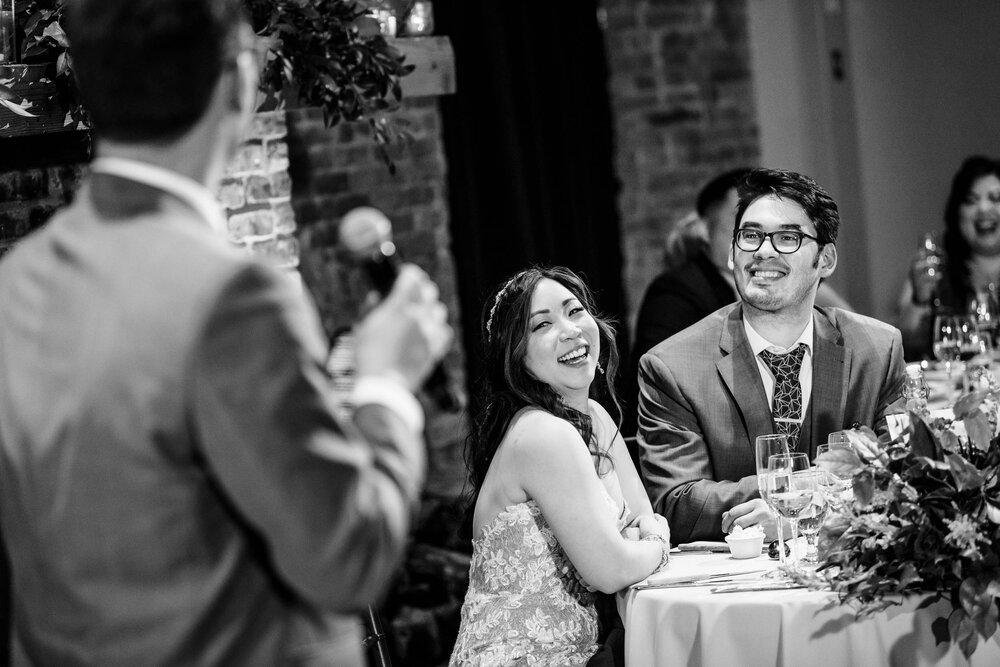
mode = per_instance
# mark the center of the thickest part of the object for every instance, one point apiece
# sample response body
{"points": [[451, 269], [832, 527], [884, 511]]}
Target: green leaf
{"points": [[968, 404], [55, 32], [922, 441], [841, 462], [864, 487], [977, 426], [19, 109], [962, 632], [908, 575], [986, 622], [33, 22], [966, 475]]}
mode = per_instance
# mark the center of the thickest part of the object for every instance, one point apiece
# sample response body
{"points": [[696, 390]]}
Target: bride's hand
{"points": [[653, 524]]}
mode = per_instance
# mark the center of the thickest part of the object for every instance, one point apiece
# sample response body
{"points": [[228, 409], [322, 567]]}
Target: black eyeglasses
{"points": [[785, 241]]}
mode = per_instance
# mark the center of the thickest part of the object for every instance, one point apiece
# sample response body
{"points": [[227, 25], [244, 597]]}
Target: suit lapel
{"points": [[831, 370], [738, 369]]}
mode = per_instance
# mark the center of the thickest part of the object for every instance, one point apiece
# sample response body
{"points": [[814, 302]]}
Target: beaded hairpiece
{"points": [[493, 310]]}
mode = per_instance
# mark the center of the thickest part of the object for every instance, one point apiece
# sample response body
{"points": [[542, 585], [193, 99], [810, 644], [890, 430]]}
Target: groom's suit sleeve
{"points": [[676, 465]]}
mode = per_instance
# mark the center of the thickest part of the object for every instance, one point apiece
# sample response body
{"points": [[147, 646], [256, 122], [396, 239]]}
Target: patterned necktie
{"points": [[787, 406]]}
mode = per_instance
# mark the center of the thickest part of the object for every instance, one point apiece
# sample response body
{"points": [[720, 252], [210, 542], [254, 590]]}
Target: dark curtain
{"points": [[528, 139], [5, 603]]}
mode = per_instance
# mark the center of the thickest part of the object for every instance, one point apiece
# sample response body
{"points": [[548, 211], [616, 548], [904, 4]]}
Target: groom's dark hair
{"points": [[802, 190]]}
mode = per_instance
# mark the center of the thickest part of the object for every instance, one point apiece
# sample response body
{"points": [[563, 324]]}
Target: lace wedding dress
{"points": [[526, 603]]}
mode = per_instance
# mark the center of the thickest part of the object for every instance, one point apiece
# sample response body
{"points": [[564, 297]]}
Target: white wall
{"points": [[921, 91]]}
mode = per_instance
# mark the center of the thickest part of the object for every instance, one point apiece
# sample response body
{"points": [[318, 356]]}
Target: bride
{"points": [[553, 485]]}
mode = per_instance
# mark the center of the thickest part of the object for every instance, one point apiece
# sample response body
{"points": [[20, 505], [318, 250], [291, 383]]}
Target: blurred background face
{"points": [[979, 216]]}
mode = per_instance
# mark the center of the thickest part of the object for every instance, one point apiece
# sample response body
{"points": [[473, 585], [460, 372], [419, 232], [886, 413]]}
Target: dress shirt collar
{"points": [[758, 343], [188, 190]]}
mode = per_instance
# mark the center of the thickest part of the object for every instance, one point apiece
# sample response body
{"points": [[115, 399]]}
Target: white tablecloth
{"points": [[693, 626]]}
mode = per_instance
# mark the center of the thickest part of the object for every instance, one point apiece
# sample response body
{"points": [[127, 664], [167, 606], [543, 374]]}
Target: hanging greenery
{"points": [[323, 53], [329, 54]]}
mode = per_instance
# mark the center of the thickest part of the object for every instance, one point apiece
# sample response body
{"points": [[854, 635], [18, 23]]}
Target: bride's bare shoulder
{"points": [[537, 431]]}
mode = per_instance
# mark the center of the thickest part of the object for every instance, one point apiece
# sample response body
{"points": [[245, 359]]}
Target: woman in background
{"points": [[553, 485], [971, 245]]}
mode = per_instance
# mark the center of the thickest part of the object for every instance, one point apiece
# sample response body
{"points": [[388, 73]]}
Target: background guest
{"points": [[174, 486], [553, 485], [772, 362], [971, 248]]}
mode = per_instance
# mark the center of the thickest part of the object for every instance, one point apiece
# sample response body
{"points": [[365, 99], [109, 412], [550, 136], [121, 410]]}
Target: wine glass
{"points": [[835, 485], [767, 446], [986, 311], [946, 333], [972, 342], [974, 349], [789, 493], [811, 518]]}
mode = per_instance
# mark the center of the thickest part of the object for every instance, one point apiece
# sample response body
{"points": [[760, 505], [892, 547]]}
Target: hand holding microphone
{"points": [[407, 333]]}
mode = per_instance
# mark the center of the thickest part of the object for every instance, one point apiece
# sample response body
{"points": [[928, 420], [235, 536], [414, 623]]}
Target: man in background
{"points": [[773, 362], [174, 485]]}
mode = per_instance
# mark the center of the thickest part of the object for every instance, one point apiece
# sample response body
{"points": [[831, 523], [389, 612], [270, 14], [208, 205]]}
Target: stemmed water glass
{"points": [[811, 518], [834, 486], [790, 492], [767, 446]]}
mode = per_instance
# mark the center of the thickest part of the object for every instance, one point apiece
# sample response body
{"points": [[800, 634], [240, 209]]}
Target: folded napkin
{"points": [[704, 545], [697, 566]]}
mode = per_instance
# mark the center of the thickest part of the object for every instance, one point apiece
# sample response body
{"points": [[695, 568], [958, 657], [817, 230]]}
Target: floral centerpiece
{"points": [[924, 519]]}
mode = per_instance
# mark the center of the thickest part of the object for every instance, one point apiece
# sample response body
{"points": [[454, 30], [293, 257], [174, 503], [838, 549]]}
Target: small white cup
{"points": [[745, 546]]}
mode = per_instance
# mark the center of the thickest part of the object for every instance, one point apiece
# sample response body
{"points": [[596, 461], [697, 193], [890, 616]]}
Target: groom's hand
{"points": [[751, 513]]}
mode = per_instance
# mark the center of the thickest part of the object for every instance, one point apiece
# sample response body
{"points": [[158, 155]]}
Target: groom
{"points": [[773, 362]]}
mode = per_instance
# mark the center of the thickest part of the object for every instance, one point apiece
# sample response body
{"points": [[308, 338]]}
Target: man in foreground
{"points": [[708, 392], [174, 486]]}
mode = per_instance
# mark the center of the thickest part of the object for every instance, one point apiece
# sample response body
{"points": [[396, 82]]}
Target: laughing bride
{"points": [[555, 494]]}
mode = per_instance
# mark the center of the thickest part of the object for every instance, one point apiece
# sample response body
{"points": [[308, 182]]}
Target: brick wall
{"points": [[335, 169], [682, 99], [29, 197], [257, 193]]}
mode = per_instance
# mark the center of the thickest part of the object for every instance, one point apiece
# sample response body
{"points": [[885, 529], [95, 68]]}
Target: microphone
{"points": [[366, 233]]}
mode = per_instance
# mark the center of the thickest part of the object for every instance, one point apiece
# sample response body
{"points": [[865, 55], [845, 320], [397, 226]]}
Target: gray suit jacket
{"points": [[702, 405], [174, 487]]}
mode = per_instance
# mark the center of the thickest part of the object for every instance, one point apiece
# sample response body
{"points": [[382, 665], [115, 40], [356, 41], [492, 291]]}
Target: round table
{"points": [[694, 626]]}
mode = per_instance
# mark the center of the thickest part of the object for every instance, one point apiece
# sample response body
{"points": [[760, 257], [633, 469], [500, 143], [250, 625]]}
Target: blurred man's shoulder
{"points": [[701, 336]]}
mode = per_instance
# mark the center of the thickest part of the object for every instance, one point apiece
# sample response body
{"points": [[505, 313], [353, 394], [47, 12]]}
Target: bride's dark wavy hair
{"points": [[506, 386]]}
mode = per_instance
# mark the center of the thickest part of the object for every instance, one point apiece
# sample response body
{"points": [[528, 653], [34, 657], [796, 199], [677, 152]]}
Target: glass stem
{"points": [[794, 523], [781, 542]]}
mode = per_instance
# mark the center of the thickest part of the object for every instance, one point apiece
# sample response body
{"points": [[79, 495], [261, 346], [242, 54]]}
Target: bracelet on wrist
{"points": [[665, 555]]}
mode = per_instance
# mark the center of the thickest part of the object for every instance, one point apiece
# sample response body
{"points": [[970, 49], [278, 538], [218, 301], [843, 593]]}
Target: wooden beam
{"points": [[434, 59]]}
